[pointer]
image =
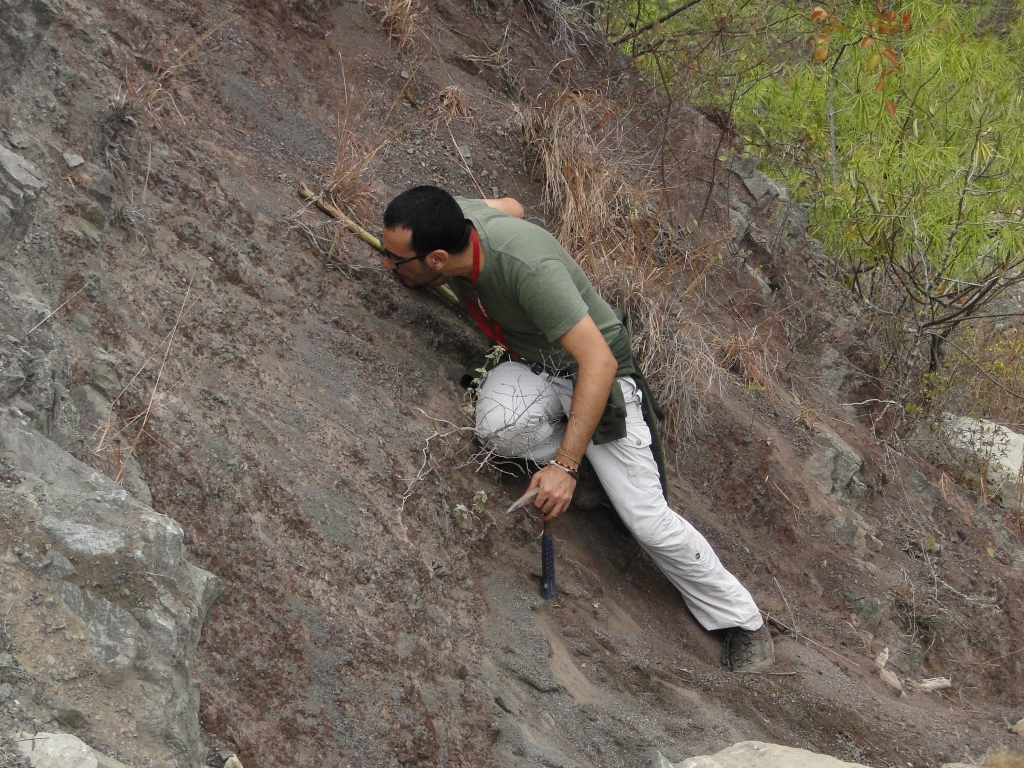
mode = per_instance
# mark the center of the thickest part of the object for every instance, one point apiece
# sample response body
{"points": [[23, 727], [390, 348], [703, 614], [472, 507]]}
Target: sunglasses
{"points": [[395, 259]]}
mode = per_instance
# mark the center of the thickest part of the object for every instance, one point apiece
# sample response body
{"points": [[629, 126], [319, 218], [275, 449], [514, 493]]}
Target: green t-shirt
{"points": [[535, 291]]}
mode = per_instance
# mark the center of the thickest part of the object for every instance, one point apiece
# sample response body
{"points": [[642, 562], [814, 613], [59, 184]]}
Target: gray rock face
{"points": [[20, 183], [84, 539], [134, 605], [35, 371], [756, 754], [870, 611], [836, 466], [22, 25]]}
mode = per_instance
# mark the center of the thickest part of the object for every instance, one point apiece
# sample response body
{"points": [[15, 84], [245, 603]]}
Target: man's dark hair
{"points": [[434, 218]]}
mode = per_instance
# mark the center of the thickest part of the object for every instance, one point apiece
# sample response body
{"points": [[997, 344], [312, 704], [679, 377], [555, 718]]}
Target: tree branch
{"points": [[661, 19]]}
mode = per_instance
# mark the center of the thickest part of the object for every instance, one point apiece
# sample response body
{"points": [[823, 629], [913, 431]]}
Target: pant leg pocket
{"points": [[638, 434]]}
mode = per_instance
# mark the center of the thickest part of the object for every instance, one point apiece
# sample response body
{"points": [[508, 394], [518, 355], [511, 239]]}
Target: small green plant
{"points": [[465, 514], [491, 359]]}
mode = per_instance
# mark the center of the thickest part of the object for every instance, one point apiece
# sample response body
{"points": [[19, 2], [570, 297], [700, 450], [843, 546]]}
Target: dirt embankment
{"points": [[304, 426]]}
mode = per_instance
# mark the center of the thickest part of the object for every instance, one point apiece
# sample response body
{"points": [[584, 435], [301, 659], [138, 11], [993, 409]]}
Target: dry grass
{"points": [[153, 94], [347, 186], [451, 103], [1003, 757], [399, 18], [599, 189], [569, 23], [749, 355]]}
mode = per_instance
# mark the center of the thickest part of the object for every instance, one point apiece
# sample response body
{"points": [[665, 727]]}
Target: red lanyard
{"points": [[476, 308]]}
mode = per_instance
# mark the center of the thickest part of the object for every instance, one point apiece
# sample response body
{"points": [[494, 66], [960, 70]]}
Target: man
{"points": [[572, 388]]}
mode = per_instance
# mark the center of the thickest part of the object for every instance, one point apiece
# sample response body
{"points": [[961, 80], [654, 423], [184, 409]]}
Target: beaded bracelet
{"points": [[571, 472], [569, 456]]}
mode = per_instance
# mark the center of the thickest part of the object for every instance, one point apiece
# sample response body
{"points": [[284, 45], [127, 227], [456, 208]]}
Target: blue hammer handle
{"points": [[548, 587]]}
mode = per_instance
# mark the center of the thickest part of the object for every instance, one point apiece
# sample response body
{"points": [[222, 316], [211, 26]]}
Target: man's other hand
{"points": [[507, 205], [556, 487]]}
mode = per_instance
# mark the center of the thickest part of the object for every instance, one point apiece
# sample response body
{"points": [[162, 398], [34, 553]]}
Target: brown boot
{"points": [[747, 650]]}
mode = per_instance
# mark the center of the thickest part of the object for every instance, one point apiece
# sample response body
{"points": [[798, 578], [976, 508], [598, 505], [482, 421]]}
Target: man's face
{"points": [[416, 273]]}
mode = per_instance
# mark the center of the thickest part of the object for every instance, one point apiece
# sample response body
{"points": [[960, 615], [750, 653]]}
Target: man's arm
{"points": [[597, 368], [507, 205]]}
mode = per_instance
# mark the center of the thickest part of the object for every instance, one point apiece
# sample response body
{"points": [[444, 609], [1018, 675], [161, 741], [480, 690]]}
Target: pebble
{"points": [[73, 160]]}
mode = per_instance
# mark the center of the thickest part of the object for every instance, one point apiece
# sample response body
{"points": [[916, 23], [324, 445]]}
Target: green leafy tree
{"points": [[901, 126]]}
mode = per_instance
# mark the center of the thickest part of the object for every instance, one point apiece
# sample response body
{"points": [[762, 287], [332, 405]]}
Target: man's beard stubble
{"points": [[432, 281]]}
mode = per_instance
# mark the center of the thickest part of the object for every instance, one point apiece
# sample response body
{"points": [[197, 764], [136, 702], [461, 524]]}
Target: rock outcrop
{"points": [[22, 24], [106, 609], [20, 183]]}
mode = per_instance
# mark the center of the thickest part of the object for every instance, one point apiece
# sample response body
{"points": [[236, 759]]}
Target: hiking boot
{"points": [[747, 650]]}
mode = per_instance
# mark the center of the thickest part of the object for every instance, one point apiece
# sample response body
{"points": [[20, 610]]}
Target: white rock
{"points": [[62, 750], [233, 762], [891, 682], [933, 684], [994, 445], [1018, 728], [756, 754]]}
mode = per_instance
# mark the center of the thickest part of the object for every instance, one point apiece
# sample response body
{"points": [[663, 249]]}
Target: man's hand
{"points": [[507, 205], [556, 488]]}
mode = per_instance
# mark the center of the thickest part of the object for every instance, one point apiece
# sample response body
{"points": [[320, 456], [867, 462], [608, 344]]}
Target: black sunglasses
{"points": [[395, 259]]}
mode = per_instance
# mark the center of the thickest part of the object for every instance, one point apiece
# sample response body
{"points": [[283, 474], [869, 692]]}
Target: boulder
{"points": [[62, 750], [870, 611], [995, 451], [756, 754], [97, 182], [112, 572]]}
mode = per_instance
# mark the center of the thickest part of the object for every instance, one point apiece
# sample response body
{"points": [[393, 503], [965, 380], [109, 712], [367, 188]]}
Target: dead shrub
{"points": [[399, 18]]}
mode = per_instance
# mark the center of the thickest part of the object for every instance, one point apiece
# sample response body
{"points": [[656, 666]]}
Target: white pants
{"points": [[520, 414]]}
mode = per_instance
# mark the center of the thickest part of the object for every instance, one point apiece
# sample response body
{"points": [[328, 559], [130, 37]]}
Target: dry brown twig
{"points": [[110, 437]]}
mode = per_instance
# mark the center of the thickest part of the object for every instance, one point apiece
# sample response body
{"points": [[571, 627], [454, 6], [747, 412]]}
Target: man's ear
{"points": [[436, 259]]}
